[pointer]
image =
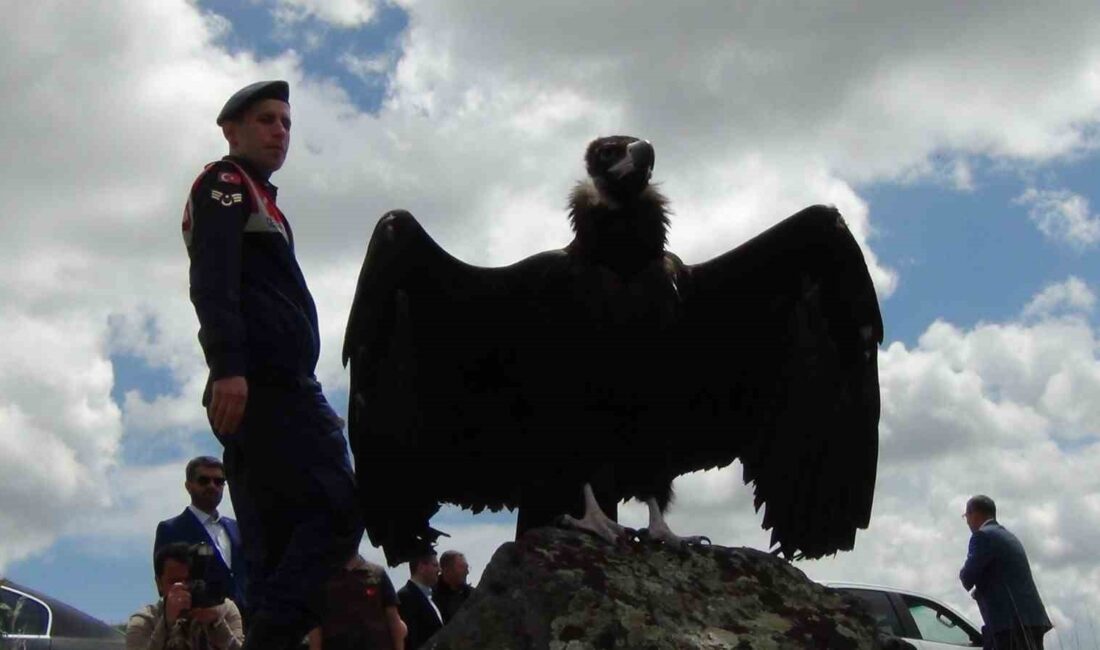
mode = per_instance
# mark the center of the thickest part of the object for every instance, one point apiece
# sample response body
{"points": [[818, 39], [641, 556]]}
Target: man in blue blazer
{"points": [[998, 572], [201, 523]]}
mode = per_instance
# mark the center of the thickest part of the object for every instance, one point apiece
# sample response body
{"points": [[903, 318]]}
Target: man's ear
{"points": [[229, 131]]}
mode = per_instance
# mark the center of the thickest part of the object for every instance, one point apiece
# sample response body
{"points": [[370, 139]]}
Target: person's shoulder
{"points": [[223, 175], [173, 522], [229, 608], [144, 616], [995, 529], [222, 170]]}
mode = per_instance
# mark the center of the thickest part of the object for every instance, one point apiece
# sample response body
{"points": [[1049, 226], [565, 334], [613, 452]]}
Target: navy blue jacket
{"points": [[187, 528], [997, 565], [419, 615], [257, 318]]}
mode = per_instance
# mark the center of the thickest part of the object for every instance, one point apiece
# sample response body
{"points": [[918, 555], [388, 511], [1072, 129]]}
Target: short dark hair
{"points": [[448, 558], [178, 551], [202, 461], [415, 563], [983, 504]]}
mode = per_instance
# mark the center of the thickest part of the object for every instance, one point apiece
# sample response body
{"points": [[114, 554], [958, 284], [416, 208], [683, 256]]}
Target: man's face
{"points": [[455, 575], [975, 519], [207, 488], [174, 571], [427, 572], [261, 135]]}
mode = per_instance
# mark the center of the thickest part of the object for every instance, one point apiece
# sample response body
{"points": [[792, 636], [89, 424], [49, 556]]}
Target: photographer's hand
{"points": [[205, 615], [176, 602]]}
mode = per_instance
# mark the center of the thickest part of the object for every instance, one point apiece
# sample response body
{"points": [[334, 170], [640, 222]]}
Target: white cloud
{"points": [[1072, 296], [59, 428], [371, 69], [1062, 216], [341, 13]]}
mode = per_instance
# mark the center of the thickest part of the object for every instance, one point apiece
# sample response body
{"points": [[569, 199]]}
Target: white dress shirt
{"points": [[213, 525], [427, 591]]}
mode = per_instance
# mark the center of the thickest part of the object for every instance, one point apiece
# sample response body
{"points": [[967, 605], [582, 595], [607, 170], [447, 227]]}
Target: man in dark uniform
{"points": [[285, 455]]}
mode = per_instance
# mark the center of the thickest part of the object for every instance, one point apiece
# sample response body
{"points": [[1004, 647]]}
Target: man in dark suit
{"points": [[415, 601], [999, 576], [201, 523], [452, 590]]}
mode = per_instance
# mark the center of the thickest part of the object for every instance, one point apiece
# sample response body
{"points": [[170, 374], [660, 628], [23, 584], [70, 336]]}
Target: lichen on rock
{"points": [[565, 590]]}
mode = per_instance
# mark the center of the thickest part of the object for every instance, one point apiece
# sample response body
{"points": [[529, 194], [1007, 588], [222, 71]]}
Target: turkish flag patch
{"points": [[229, 177]]}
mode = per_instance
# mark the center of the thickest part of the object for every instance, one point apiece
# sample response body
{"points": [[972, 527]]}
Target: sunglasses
{"points": [[207, 480]]}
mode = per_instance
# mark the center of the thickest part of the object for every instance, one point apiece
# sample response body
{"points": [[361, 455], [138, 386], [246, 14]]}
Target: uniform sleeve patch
{"points": [[226, 198], [229, 177]]}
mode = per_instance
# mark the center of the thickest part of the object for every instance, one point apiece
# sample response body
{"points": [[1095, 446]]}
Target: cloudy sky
{"points": [[959, 141]]}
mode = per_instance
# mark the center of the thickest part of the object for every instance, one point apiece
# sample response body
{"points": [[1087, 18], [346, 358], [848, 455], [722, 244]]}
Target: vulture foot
{"points": [[595, 521]]}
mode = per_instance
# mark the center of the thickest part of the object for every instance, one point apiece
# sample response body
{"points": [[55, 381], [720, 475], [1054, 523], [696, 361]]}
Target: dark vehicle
{"points": [[30, 620], [925, 623]]}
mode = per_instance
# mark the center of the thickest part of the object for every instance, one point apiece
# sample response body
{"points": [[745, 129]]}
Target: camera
{"points": [[205, 591]]}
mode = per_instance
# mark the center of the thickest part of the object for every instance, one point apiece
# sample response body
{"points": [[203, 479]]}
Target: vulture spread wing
{"points": [[778, 345], [441, 354], [462, 376]]}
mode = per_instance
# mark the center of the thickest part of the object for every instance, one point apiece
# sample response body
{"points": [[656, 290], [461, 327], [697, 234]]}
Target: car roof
{"points": [[836, 584], [66, 620], [865, 585]]}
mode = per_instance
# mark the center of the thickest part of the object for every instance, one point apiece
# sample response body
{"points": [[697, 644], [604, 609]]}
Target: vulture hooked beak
{"points": [[636, 164]]}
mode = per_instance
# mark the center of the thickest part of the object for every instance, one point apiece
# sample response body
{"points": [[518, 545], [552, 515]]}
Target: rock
{"points": [[564, 590]]}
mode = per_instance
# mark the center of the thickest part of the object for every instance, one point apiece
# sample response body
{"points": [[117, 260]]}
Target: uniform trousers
{"points": [[293, 491]]}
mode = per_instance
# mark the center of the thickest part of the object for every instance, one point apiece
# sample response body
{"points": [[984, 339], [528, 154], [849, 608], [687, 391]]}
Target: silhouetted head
{"points": [[620, 165], [979, 509], [424, 568]]}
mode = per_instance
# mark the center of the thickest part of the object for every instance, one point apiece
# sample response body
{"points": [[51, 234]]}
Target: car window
{"points": [[936, 623], [20, 615], [878, 604]]}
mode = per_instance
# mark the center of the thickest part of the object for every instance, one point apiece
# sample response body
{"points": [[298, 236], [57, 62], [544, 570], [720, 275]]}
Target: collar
{"points": [[426, 590], [254, 173], [445, 587], [204, 517], [988, 522]]}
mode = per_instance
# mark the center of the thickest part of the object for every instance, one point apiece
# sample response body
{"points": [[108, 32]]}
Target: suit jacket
{"points": [[187, 528], [449, 600], [419, 615], [997, 565]]}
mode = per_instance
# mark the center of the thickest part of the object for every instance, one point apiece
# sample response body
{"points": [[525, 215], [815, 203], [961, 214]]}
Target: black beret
{"points": [[251, 94]]}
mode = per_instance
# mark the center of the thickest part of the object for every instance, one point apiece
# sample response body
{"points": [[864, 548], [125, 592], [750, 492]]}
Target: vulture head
{"points": [[620, 166]]}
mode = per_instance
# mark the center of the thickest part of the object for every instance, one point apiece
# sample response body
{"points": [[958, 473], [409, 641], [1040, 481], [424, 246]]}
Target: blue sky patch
{"points": [[133, 373], [971, 256], [358, 59]]}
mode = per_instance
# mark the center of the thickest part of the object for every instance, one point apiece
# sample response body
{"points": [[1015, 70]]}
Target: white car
{"points": [[920, 620]]}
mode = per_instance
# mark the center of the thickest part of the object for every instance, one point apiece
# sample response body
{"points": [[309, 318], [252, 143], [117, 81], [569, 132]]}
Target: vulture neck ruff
{"points": [[625, 235]]}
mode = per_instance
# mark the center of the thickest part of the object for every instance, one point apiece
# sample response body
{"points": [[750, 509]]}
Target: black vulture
{"points": [[578, 378]]}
